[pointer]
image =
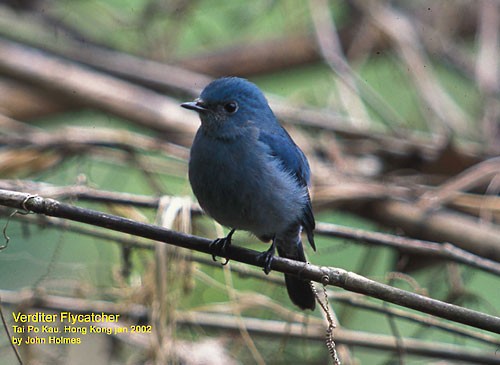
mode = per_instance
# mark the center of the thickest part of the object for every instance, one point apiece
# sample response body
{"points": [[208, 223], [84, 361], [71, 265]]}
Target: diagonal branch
{"points": [[445, 251], [325, 275], [98, 90]]}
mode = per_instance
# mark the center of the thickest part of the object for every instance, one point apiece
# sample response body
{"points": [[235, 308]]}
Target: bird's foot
{"points": [[267, 257], [219, 246]]}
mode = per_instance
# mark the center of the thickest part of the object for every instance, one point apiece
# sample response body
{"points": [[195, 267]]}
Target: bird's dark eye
{"points": [[231, 107]]}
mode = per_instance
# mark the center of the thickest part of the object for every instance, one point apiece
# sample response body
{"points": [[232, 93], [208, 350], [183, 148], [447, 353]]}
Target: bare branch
{"points": [[312, 331], [440, 226], [444, 251], [325, 275], [97, 89], [359, 301], [407, 245], [471, 177]]}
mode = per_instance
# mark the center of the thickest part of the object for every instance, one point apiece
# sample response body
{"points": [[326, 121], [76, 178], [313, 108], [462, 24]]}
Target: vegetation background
{"points": [[394, 102]]}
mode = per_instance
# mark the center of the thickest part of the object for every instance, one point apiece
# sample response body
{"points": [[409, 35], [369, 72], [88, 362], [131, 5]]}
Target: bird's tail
{"points": [[299, 290]]}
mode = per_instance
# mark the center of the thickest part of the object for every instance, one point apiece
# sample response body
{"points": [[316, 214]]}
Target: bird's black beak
{"points": [[196, 105]]}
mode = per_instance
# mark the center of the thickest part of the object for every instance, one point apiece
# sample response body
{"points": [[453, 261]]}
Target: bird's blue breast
{"points": [[242, 184]]}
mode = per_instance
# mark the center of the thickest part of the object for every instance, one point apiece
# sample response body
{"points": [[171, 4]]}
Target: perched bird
{"points": [[248, 174]]}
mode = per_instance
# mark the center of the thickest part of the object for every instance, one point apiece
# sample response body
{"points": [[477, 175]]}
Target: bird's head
{"points": [[229, 105]]}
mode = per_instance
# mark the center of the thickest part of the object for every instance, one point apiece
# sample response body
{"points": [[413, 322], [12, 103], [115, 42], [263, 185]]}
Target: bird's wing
{"points": [[286, 151], [292, 159]]}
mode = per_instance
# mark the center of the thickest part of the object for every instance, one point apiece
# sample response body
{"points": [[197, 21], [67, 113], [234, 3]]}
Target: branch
{"points": [[444, 251], [274, 328], [245, 272], [359, 301], [325, 275], [76, 138], [474, 176], [148, 108], [99, 90], [342, 336], [440, 226]]}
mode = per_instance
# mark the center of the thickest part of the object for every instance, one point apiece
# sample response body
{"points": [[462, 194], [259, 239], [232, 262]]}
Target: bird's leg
{"points": [[267, 256], [220, 245]]}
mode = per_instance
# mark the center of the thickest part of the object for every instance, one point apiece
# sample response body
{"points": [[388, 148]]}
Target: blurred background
{"points": [[395, 103]]}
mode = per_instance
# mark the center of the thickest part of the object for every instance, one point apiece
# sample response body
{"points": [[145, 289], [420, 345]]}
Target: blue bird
{"points": [[248, 174]]}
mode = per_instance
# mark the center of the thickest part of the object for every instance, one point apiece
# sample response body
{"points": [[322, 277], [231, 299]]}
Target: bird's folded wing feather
{"points": [[292, 159]]}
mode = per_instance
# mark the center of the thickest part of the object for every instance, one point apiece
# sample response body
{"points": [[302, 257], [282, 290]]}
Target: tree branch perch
{"points": [[325, 275]]}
